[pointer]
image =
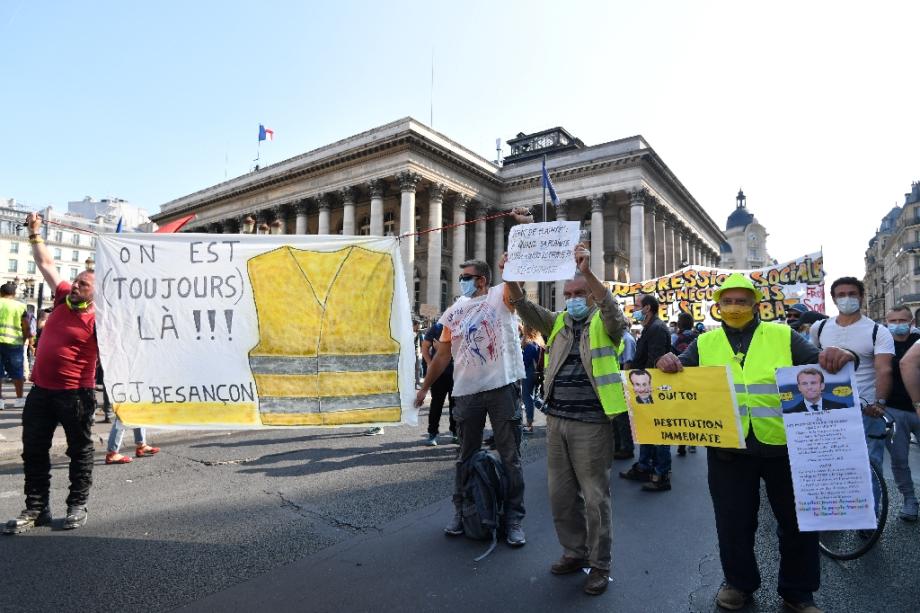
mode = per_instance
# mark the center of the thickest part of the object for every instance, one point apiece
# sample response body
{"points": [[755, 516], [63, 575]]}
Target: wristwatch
{"points": [[917, 405], [881, 402]]}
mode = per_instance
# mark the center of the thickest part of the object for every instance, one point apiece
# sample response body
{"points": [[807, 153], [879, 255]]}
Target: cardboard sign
{"points": [[696, 406]]}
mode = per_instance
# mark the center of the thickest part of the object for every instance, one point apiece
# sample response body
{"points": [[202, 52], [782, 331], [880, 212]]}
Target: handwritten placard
{"points": [[542, 251], [827, 449]]}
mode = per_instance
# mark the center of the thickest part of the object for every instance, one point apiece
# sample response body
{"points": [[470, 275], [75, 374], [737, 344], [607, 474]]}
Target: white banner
{"points": [[827, 449], [690, 289], [542, 251], [242, 331]]}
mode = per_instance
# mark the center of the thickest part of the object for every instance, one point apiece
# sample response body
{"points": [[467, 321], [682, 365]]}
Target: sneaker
{"points": [[19, 403], [455, 526], [373, 432], [76, 517], [808, 606], [657, 483], [455, 439], [731, 598], [514, 534], [28, 519], [909, 510], [567, 565], [636, 474], [597, 581], [432, 440]]}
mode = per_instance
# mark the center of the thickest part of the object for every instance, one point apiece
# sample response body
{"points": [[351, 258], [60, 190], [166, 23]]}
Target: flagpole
{"points": [[543, 181]]}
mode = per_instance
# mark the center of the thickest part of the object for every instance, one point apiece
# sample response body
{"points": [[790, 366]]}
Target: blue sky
{"points": [[811, 107]]}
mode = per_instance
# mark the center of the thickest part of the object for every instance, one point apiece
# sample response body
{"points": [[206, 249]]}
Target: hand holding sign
{"points": [[541, 251]]}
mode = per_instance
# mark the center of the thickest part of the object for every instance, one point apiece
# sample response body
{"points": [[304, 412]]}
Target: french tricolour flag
{"points": [[265, 133]]}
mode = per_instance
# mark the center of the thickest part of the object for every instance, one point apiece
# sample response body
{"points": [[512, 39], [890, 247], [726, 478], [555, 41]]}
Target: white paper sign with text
{"points": [[827, 449], [542, 251]]}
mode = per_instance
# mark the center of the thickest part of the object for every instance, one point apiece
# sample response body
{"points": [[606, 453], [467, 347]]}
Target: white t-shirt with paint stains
{"points": [[484, 342]]}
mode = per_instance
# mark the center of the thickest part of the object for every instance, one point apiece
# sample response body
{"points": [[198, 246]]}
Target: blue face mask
{"points": [[899, 329], [468, 287], [638, 316], [577, 308]]}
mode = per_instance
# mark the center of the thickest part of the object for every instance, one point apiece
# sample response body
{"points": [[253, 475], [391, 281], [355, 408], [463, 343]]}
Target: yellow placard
{"points": [[696, 406]]}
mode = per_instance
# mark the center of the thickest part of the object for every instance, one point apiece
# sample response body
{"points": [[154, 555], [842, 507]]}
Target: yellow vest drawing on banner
{"points": [[325, 354]]}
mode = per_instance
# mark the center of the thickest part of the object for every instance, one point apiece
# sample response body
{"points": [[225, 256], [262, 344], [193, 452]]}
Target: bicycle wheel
{"points": [[851, 544]]}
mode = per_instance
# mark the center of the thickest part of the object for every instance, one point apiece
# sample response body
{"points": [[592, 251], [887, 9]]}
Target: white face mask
{"points": [[847, 305]]}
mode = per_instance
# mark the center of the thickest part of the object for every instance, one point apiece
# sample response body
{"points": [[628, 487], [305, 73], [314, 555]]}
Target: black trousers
{"points": [[44, 410], [440, 390], [622, 434], [734, 483]]}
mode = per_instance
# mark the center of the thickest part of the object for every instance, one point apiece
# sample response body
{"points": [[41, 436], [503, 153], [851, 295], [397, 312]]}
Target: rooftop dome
{"points": [[740, 217]]}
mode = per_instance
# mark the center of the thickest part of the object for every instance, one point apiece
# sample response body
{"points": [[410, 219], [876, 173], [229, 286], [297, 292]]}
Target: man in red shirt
{"points": [[62, 393]]}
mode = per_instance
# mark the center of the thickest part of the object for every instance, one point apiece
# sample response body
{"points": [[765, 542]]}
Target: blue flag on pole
{"points": [[118, 227], [547, 184], [266, 134]]}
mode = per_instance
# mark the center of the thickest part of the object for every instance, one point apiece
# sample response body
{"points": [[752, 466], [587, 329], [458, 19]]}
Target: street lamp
{"points": [[90, 264]]}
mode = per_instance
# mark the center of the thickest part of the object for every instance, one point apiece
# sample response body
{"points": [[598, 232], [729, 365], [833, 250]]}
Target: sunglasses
{"points": [[468, 277]]}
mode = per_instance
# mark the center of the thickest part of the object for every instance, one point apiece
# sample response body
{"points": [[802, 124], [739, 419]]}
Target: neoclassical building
{"points": [[404, 177]]}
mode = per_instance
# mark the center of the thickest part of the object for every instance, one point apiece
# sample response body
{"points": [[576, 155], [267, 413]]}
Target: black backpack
{"points": [[484, 486]]}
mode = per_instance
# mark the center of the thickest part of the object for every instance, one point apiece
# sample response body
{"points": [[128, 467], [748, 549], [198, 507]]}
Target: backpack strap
{"points": [[818, 336], [874, 334]]}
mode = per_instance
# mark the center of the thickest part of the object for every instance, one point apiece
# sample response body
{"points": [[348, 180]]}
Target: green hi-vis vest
{"points": [[11, 313], [755, 384], [605, 363]]}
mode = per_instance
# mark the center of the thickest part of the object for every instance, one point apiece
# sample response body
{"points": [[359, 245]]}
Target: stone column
{"points": [[348, 211], [300, 221], [247, 224], [459, 242], [682, 245], [597, 236], [278, 223], [407, 183], [562, 214], [376, 189], [324, 204], [498, 245], [661, 244], [672, 260], [637, 235], [479, 244], [435, 245]]}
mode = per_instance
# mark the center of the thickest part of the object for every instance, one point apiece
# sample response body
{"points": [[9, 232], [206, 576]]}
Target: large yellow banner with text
{"points": [[696, 406]]}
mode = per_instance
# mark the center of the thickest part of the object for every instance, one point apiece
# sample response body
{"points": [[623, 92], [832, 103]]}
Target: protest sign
{"points": [[243, 331], [690, 290], [542, 251], [827, 449], [696, 406]]}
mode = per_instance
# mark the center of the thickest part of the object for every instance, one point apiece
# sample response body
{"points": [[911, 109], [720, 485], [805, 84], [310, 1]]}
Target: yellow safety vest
{"points": [[755, 384], [11, 313], [605, 363], [325, 354]]}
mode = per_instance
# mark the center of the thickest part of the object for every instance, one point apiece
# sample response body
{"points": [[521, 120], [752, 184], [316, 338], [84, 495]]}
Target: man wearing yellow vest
{"points": [[15, 328], [754, 350], [583, 393]]}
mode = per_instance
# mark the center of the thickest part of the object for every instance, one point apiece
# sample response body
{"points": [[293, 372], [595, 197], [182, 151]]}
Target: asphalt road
{"points": [[332, 520]]}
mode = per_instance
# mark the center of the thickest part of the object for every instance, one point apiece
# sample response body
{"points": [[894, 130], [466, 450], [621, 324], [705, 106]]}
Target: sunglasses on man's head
{"points": [[468, 277]]}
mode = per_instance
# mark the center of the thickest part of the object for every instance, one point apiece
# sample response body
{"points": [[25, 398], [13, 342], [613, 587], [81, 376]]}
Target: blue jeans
{"points": [[655, 458], [875, 442], [118, 433], [528, 386]]}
